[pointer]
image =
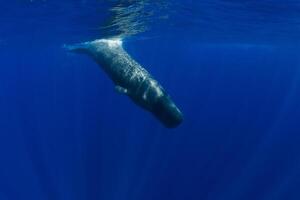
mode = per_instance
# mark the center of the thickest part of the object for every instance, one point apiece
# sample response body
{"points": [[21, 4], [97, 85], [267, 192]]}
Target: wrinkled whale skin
{"points": [[131, 78]]}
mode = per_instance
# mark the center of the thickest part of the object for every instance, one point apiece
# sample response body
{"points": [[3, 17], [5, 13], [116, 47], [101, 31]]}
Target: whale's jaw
{"points": [[131, 79]]}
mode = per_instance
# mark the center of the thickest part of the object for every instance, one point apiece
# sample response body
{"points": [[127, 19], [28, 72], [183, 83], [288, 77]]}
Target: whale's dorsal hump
{"points": [[110, 42]]}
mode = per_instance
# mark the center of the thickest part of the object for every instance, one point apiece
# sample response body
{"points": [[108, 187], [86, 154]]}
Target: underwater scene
{"points": [[150, 100]]}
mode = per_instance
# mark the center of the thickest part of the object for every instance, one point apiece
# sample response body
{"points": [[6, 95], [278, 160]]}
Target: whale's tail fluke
{"points": [[77, 48]]}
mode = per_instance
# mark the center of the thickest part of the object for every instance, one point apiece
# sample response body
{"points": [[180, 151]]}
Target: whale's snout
{"points": [[167, 112]]}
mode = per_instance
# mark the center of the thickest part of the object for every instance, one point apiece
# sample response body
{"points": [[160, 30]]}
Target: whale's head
{"points": [[167, 112], [152, 97]]}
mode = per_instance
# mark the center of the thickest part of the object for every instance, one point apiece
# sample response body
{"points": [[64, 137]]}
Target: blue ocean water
{"points": [[232, 66]]}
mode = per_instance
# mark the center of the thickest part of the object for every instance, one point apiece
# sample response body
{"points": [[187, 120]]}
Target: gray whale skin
{"points": [[131, 78]]}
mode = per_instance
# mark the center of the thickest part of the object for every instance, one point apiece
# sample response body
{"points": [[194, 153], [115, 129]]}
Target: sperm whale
{"points": [[131, 79]]}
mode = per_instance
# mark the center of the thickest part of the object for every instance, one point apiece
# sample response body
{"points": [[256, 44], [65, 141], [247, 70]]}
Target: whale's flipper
{"points": [[121, 90]]}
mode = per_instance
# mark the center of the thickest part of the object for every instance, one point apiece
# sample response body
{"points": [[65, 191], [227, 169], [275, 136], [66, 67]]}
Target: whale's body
{"points": [[131, 78]]}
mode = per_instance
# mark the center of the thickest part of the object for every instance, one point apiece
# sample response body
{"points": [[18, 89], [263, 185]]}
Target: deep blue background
{"points": [[66, 134]]}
